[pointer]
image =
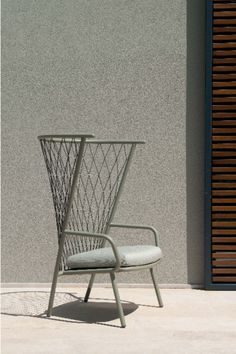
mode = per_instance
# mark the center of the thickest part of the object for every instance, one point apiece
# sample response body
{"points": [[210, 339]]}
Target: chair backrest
{"points": [[86, 177]]}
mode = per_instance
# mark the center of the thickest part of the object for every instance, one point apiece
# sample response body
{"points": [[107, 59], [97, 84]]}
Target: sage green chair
{"points": [[86, 178]]}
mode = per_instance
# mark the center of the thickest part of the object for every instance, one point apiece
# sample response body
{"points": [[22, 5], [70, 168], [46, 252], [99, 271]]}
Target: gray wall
{"points": [[119, 69]]}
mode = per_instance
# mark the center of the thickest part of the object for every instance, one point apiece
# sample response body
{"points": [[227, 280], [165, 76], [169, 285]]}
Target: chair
{"points": [[86, 178]]}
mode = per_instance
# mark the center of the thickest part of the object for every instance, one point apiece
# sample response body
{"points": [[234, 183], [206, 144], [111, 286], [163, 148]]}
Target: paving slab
{"points": [[191, 321]]}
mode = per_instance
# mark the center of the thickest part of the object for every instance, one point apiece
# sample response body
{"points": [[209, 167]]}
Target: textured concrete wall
{"points": [[116, 69]]}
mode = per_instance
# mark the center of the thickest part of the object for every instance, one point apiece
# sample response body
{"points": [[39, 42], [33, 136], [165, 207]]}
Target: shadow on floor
{"points": [[68, 307], [92, 312]]}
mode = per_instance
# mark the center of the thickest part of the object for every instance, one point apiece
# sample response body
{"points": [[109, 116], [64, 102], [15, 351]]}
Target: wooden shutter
{"points": [[223, 143]]}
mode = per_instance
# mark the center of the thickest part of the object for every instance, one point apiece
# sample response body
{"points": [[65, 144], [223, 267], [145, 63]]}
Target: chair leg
{"points": [[89, 287], [53, 290], [117, 297], [157, 290]]}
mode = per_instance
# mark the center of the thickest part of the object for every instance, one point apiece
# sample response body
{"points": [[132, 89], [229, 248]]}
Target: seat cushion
{"points": [[104, 257]]}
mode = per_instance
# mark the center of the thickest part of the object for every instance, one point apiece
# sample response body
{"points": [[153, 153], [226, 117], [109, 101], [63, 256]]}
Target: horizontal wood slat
{"points": [[221, 14], [224, 279], [224, 130], [224, 138], [224, 123], [222, 177], [225, 60], [223, 193], [223, 216], [224, 208], [222, 45], [224, 99], [224, 146], [222, 29], [224, 255], [223, 1], [224, 263], [224, 92], [223, 153], [223, 76], [224, 21], [221, 115], [224, 239], [221, 232], [224, 37], [223, 185], [224, 247], [224, 6], [224, 224], [224, 270], [224, 83], [225, 68], [224, 169]]}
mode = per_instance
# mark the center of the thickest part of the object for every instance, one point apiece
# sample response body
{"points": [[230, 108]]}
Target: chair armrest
{"points": [[142, 227], [98, 235]]}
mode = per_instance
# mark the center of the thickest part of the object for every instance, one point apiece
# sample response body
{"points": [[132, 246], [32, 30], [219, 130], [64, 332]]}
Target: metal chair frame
{"points": [[83, 139]]}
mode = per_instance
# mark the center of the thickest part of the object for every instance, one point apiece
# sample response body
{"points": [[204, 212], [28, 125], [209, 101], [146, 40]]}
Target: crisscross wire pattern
{"points": [[97, 185]]}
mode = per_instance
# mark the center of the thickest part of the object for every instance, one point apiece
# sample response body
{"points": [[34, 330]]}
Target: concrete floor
{"points": [[192, 321]]}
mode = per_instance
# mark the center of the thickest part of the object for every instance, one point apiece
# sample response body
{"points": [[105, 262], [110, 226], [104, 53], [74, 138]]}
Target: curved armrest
{"points": [[103, 236], [142, 227]]}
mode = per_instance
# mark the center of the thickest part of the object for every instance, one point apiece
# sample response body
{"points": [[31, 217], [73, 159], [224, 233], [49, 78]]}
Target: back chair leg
{"points": [[89, 287], [157, 290], [118, 302]]}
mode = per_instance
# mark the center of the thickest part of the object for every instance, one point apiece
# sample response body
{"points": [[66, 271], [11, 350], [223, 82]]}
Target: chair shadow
{"points": [[92, 312], [75, 310]]}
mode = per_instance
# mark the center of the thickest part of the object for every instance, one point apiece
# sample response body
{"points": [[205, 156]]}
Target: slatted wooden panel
{"points": [[224, 142]]}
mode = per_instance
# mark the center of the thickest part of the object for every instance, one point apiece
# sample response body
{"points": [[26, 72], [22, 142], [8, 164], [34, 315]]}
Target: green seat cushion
{"points": [[104, 257]]}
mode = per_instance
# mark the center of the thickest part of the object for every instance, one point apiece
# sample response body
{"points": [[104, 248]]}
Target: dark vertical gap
{"points": [[195, 140]]}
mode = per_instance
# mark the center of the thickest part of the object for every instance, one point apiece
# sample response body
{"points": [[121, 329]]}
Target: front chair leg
{"points": [[117, 297], [89, 287], [53, 290], [157, 290]]}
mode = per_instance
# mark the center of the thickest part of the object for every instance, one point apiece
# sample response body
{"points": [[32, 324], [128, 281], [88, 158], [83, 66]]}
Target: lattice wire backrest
{"points": [[102, 168]]}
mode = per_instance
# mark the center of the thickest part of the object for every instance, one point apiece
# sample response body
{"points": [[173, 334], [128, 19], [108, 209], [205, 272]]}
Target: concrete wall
{"points": [[119, 69]]}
